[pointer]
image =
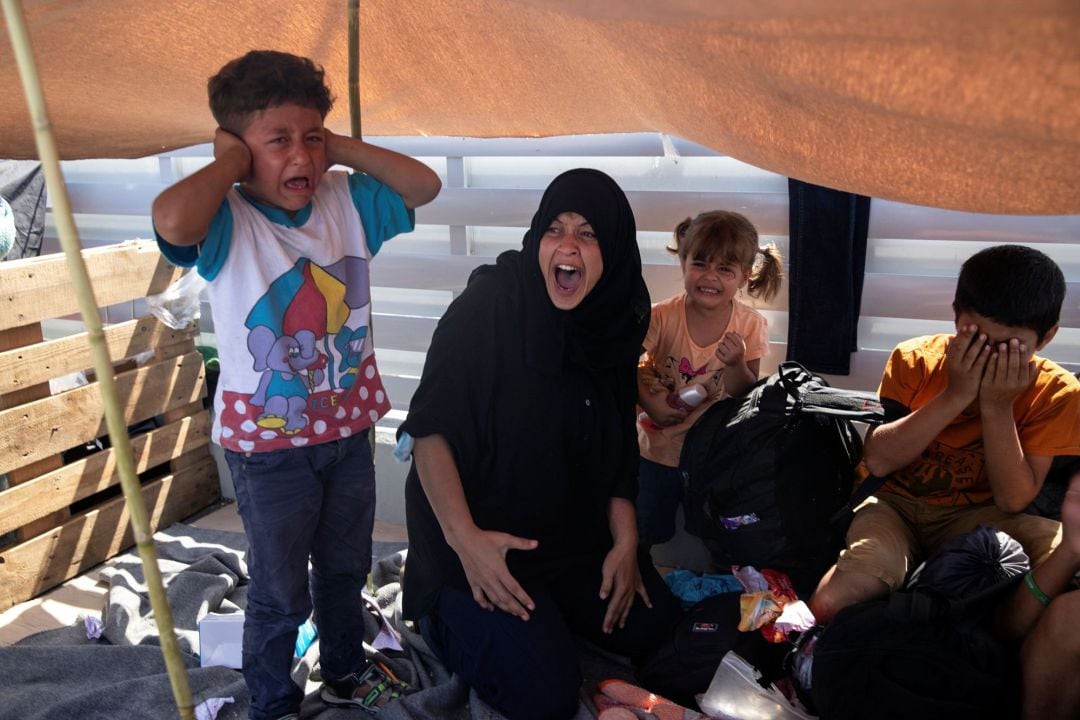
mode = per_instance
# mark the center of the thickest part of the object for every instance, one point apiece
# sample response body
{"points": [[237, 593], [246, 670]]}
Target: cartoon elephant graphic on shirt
{"points": [[291, 367], [350, 346]]}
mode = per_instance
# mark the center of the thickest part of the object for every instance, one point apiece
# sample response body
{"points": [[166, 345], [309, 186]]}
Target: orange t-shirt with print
{"points": [[679, 362], [951, 470]]}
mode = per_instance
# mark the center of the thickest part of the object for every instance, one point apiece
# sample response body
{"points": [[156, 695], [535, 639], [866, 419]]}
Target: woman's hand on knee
{"points": [[483, 556], [620, 581]]}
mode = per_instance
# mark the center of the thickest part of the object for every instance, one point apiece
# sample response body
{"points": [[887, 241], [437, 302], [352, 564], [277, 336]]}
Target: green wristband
{"points": [[1042, 597]]}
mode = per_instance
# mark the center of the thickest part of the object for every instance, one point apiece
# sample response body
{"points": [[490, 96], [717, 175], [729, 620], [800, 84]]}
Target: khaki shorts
{"points": [[890, 535]]}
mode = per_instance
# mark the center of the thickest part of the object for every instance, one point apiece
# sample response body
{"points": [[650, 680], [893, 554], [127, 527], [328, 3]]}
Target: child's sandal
{"points": [[629, 695], [619, 693], [370, 689]]}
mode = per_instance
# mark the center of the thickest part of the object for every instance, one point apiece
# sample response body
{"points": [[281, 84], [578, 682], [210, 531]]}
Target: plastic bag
{"points": [[178, 305], [757, 609], [404, 447], [736, 694]]}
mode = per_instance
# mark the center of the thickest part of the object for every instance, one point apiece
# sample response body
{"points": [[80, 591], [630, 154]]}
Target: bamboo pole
{"points": [[69, 240], [354, 67], [354, 125]]}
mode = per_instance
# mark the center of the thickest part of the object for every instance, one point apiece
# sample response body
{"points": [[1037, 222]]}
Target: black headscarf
{"points": [[607, 327]]}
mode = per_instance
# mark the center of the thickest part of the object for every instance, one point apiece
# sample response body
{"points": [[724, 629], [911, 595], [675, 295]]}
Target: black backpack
{"points": [[766, 473], [926, 652], [904, 658]]}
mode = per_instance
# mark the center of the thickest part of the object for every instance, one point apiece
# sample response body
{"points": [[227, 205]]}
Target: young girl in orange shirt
{"points": [[702, 345]]}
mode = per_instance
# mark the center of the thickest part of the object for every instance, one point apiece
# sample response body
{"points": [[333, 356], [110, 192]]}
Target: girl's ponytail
{"points": [[766, 275], [678, 236]]}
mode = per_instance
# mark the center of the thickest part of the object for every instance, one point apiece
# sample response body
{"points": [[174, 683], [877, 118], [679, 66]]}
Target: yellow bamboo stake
{"points": [[69, 240], [354, 67], [354, 124]]}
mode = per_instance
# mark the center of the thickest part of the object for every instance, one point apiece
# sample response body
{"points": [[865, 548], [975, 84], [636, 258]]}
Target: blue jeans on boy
{"points": [[314, 502], [660, 490]]}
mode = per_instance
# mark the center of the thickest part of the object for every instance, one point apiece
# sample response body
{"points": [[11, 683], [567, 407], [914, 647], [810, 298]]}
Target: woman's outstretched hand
{"points": [[620, 581], [482, 552], [620, 577], [483, 556]]}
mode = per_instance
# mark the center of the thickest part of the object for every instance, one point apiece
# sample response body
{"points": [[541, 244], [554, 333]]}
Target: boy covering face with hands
{"points": [[981, 418]]}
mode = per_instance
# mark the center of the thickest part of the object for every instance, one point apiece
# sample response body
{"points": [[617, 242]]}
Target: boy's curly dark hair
{"points": [[1014, 285], [264, 79]]}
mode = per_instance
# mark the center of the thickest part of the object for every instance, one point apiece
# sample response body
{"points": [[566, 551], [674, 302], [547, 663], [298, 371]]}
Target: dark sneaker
{"points": [[369, 689]]}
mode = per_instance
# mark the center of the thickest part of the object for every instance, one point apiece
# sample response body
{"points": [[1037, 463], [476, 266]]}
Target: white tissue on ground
{"points": [[209, 709]]}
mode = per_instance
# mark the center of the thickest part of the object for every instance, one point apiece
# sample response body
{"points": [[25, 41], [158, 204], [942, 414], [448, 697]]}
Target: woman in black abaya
{"points": [[520, 501]]}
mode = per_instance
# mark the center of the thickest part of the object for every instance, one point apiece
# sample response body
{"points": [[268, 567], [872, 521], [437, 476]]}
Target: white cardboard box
{"points": [[221, 638]]}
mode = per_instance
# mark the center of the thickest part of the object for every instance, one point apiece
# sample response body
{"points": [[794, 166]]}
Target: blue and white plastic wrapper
{"points": [[305, 635], [403, 449]]}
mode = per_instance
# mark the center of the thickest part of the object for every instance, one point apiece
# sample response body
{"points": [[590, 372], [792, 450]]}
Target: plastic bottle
{"points": [[688, 397], [685, 399]]}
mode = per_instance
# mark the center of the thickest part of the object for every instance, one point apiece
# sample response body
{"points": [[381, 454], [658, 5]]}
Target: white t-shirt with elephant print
{"points": [[291, 305]]}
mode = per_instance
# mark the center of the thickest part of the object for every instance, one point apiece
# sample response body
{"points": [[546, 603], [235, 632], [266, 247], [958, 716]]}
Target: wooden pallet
{"points": [[60, 515]]}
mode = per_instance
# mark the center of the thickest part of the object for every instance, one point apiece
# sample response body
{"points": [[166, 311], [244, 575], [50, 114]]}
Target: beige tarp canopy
{"points": [[967, 104]]}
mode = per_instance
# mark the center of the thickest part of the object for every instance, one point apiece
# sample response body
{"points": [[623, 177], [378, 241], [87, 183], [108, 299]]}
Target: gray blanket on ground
{"points": [[63, 674]]}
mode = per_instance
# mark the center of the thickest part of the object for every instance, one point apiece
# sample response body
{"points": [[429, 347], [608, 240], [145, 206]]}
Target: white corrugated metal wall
{"points": [[491, 188]]}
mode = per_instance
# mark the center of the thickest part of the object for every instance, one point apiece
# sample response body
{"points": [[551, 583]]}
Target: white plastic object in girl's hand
{"points": [[688, 397]]}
